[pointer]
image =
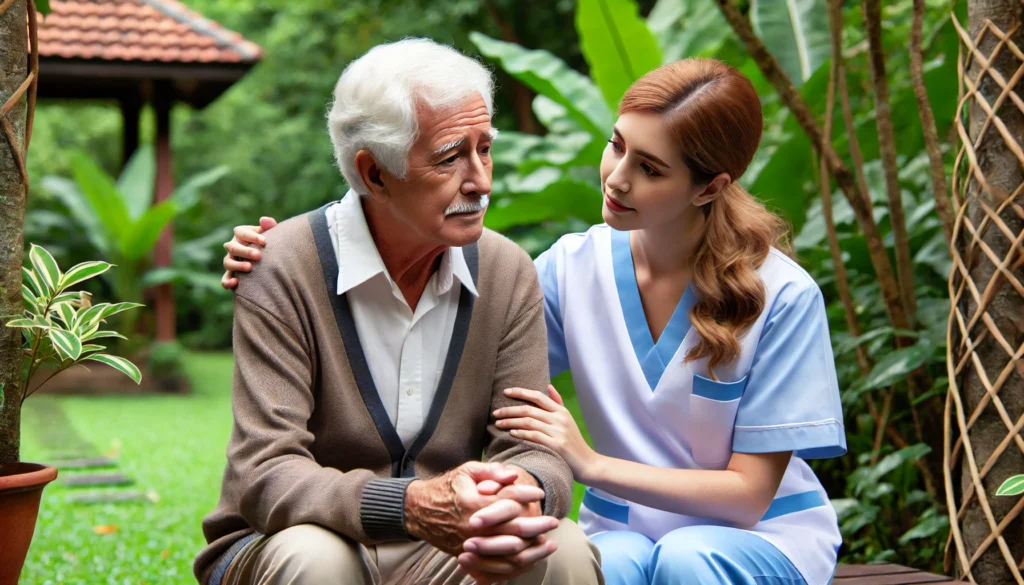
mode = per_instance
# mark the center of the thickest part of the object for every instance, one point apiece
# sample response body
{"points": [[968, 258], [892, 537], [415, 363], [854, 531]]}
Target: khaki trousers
{"points": [[311, 555]]}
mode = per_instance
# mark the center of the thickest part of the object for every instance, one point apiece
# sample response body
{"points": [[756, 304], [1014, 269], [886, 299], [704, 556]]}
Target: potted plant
{"points": [[62, 327]]}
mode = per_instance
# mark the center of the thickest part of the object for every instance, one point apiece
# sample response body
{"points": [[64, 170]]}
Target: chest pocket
{"points": [[713, 407]]}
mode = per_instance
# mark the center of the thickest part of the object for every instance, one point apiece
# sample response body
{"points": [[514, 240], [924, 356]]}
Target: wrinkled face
{"points": [[447, 190], [643, 176]]}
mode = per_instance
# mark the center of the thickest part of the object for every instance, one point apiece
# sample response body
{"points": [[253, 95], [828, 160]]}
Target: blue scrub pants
{"points": [[695, 555]]}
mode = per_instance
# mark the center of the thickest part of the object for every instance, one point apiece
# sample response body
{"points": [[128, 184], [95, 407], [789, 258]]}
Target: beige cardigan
{"points": [[312, 442]]}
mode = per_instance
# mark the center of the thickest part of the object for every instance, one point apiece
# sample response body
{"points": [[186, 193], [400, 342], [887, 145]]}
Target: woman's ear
{"points": [[712, 190], [370, 172]]}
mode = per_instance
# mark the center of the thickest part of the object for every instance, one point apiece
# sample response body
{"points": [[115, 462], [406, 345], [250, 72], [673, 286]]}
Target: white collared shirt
{"points": [[405, 350]]}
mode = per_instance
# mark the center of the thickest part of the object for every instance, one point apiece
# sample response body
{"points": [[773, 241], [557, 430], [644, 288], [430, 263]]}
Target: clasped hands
{"points": [[487, 514]]}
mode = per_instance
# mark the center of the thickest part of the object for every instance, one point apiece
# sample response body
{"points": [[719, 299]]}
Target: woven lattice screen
{"points": [[985, 404]]}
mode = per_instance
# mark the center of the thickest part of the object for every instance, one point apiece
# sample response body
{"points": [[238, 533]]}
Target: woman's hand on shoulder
{"points": [[243, 250]]}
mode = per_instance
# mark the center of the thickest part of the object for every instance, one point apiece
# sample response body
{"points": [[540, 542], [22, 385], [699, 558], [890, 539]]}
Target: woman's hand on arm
{"points": [[739, 494], [243, 250], [545, 420]]}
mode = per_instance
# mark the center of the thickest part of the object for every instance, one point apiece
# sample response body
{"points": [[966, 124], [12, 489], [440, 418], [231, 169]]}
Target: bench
{"points": [[887, 574]]}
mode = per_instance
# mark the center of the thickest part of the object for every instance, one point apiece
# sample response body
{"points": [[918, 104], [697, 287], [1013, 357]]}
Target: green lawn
{"points": [[173, 447]]}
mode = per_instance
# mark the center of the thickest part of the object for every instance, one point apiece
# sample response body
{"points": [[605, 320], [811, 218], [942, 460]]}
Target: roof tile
{"points": [[139, 30]]}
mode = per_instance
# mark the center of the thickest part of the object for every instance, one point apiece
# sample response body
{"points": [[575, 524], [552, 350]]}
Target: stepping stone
{"points": [[86, 463], [101, 479], [108, 497]]}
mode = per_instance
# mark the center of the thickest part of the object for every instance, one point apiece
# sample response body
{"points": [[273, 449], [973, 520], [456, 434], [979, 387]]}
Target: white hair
{"points": [[375, 101]]}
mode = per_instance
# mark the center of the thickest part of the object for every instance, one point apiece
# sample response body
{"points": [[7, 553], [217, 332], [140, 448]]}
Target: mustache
{"points": [[468, 206]]}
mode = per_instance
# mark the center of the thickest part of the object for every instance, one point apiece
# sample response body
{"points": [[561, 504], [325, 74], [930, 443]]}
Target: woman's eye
{"points": [[648, 170], [615, 145]]}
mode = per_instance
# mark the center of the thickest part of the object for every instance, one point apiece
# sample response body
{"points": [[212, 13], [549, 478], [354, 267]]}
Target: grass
{"points": [[174, 448]]}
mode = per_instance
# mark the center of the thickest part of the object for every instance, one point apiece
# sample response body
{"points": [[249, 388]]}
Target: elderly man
{"points": [[373, 342]]}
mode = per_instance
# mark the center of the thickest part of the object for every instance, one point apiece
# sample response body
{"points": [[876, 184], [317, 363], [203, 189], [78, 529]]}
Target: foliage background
{"points": [[269, 131]]}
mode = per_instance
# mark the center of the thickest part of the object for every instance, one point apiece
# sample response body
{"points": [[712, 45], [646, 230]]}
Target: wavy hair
{"points": [[714, 115]]}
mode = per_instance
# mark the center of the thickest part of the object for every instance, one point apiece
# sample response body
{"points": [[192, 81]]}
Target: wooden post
{"points": [[163, 100], [131, 108]]}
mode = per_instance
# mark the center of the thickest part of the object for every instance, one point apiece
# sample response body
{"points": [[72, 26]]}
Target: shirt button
{"points": [[408, 391]]}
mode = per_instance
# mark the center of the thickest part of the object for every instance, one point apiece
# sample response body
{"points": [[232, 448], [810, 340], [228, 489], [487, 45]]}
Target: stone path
{"points": [[80, 462]]}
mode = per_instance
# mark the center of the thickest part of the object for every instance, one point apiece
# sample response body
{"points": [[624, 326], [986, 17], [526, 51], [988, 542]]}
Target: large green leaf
{"points": [[1013, 486], [617, 45], [694, 28], [81, 211], [554, 116], [929, 525], [82, 272], [102, 195], [118, 363], [550, 76], [187, 194], [30, 278], [896, 365], [67, 344], [545, 195], [43, 6], [195, 278], [45, 268], [137, 180], [140, 237], [795, 32], [528, 152]]}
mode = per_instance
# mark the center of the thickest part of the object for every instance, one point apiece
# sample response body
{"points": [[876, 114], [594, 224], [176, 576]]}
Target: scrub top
{"points": [[642, 401]]}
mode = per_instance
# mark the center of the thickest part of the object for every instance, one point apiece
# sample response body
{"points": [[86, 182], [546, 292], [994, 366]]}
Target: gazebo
{"points": [[140, 52]]}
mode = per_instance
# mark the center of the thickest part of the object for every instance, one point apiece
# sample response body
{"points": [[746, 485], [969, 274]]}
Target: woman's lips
{"points": [[615, 205]]}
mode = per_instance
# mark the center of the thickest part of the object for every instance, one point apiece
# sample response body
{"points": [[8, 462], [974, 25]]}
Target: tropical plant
{"points": [[121, 222], [61, 327]]}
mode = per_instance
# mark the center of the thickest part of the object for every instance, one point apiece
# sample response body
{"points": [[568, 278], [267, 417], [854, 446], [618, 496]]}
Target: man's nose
{"points": [[478, 179]]}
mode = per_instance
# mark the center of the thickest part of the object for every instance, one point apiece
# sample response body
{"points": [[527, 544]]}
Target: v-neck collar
{"points": [[402, 459], [652, 357]]}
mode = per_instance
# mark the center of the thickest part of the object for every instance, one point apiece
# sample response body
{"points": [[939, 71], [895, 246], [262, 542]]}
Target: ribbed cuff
{"points": [[382, 509]]}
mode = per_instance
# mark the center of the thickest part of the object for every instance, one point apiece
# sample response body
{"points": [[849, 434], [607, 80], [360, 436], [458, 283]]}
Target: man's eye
{"points": [[485, 150], [450, 160]]}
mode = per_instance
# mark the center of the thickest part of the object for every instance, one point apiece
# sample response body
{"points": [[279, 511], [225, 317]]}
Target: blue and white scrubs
{"points": [[643, 402]]}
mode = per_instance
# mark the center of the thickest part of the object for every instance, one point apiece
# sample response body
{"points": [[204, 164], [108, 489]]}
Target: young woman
{"points": [[700, 353]]}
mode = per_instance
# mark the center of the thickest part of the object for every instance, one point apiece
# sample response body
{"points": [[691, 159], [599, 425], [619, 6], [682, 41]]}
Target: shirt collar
{"points": [[361, 260]]}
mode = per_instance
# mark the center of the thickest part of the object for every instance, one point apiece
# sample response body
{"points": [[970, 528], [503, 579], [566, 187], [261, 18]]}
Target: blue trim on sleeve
{"points": [[653, 357], [792, 504], [721, 391], [606, 508], [810, 441]]}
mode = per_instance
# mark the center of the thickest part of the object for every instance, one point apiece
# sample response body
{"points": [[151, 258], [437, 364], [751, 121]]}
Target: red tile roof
{"points": [[139, 30]]}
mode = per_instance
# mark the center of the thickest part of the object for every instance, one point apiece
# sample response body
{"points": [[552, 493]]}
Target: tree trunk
{"points": [[1004, 173], [13, 71]]}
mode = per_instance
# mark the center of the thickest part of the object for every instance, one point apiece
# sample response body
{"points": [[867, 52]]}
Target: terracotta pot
{"points": [[21, 486]]}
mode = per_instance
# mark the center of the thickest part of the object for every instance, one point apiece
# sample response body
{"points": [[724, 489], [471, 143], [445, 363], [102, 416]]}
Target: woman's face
{"points": [[644, 179]]}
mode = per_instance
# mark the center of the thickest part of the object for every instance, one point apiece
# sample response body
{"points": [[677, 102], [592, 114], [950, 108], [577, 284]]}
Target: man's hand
{"points": [[513, 535], [439, 510]]}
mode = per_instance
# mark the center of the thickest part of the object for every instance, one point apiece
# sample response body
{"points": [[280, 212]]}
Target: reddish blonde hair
{"points": [[714, 115]]}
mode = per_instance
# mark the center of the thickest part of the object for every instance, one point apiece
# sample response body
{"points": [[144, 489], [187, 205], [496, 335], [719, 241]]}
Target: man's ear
{"points": [[370, 172], [712, 190]]}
